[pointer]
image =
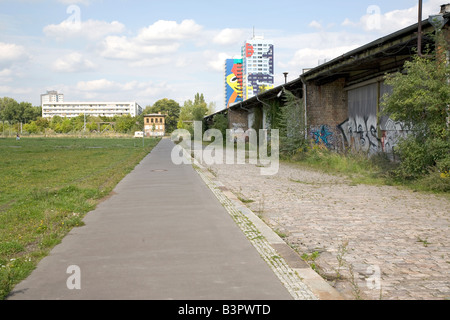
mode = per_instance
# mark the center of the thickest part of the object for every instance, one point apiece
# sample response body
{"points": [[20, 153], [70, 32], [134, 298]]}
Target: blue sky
{"points": [[147, 50]]}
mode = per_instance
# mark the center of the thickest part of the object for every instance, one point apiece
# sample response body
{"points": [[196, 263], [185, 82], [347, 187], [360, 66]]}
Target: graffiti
{"points": [[393, 131], [233, 81], [362, 134], [322, 135]]}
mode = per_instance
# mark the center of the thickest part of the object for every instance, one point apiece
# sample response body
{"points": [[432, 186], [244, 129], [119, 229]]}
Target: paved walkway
{"points": [[162, 235]]}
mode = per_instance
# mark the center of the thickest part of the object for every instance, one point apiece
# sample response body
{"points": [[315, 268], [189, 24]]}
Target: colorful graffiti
{"points": [[322, 135], [233, 81], [362, 134]]}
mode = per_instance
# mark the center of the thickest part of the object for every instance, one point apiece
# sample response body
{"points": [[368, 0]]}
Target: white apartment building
{"points": [[52, 96], [74, 109], [258, 66]]}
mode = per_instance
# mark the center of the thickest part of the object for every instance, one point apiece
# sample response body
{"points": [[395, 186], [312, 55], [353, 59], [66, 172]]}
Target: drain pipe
{"points": [[304, 103]]}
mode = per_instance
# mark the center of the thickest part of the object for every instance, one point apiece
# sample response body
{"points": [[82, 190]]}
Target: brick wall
{"points": [[237, 118], [326, 108]]}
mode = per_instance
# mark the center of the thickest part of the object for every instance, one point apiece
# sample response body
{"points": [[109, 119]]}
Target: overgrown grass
{"points": [[47, 185], [374, 170]]}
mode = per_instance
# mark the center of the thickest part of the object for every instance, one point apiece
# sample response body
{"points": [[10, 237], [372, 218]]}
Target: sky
{"points": [[143, 51]]}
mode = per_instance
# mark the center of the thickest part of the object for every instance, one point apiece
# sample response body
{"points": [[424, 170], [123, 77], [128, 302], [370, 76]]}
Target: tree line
{"points": [[24, 117]]}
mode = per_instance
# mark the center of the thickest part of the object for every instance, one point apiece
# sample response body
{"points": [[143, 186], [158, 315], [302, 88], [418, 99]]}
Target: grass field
{"points": [[47, 185]]}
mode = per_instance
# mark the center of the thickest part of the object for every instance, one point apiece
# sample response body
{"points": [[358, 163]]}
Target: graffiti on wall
{"points": [[322, 135], [363, 134], [393, 131]]}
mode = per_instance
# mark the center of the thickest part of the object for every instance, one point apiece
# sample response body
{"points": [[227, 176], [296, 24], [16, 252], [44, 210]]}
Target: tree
{"points": [[192, 111], [420, 98], [220, 122], [291, 124], [12, 111], [169, 107], [124, 124]]}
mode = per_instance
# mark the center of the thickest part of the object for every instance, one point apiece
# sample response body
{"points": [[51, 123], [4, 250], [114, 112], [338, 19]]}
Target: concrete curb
{"points": [[297, 276]]}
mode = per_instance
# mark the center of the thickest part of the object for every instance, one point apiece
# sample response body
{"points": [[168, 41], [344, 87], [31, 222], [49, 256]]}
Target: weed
{"points": [[423, 241], [310, 259]]}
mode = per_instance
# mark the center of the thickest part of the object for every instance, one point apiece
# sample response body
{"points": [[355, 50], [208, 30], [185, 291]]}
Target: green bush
{"points": [[420, 156]]}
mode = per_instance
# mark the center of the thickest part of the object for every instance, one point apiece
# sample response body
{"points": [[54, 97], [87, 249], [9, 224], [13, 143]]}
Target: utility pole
{"points": [[419, 31]]}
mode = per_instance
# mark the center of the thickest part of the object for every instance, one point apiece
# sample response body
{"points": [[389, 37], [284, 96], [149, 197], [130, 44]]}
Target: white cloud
{"points": [[123, 48], [153, 62], [315, 24], [11, 53], [107, 90], [98, 85], [90, 29], [216, 61], [73, 62], [384, 23], [311, 57], [229, 36], [164, 30], [9, 90], [5, 75], [150, 47]]}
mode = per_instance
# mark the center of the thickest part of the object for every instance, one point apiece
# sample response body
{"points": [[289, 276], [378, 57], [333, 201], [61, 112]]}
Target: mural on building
{"points": [[258, 66], [233, 81]]}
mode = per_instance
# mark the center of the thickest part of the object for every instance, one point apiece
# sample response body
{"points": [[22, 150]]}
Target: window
{"points": [[160, 120], [152, 120], [146, 120]]}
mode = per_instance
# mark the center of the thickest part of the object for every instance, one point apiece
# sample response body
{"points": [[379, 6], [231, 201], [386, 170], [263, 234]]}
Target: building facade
{"points": [[258, 66], [155, 124], [51, 97], [233, 81], [74, 109]]}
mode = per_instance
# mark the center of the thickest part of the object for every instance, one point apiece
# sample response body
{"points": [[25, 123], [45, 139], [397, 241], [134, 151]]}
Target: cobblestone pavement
{"points": [[373, 242]]}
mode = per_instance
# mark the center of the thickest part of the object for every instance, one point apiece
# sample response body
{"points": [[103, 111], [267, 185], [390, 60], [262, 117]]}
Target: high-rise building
{"points": [[233, 81], [52, 96], [258, 66]]}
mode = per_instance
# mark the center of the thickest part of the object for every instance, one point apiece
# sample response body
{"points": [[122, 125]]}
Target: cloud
{"points": [[5, 75], [90, 29], [216, 61], [107, 90], [11, 53], [73, 62], [315, 24], [98, 85], [311, 57], [123, 48], [384, 23], [229, 36], [163, 30], [8, 90], [157, 41], [153, 62]]}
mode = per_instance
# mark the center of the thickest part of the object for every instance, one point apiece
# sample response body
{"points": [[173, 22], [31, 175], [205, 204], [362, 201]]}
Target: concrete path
{"points": [[162, 235]]}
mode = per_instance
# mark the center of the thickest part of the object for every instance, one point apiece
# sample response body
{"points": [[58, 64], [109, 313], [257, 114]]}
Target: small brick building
{"points": [[155, 124]]}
